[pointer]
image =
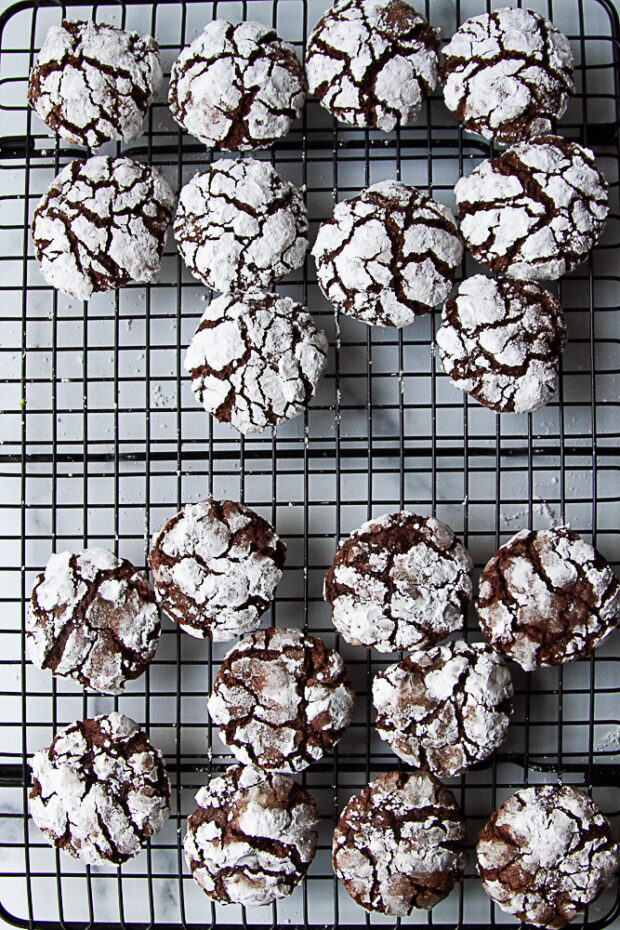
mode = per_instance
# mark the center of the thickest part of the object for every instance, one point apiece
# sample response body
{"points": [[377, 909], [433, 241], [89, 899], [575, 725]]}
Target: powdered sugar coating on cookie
{"points": [[255, 360], [372, 63], [216, 566], [546, 854], [237, 87], [400, 844], [536, 211], [93, 618], [281, 699], [508, 74], [100, 790], [252, 837], [398, 582], [501, 340], [388, 254], [239, 225]]}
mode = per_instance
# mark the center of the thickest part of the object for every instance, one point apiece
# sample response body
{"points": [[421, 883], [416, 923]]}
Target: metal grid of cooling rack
{"points": [[102, 441]]}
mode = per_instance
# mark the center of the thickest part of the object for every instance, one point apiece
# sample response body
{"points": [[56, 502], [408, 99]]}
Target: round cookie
{"points": [[500, 341], [372, 63], [252, 837], [388, 254], [255, 360], [535, 211], [398, 582], [281, 699], [100, 790], [508, 74], [444, 708], [546, 854], [102, 223], [547, 597], [400, 844], [239, 225], [93, 83], [216, 566], [93, 618], [237, 87]]}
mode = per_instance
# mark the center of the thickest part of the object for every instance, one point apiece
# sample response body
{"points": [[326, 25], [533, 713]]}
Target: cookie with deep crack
{"points": [[400, 844], [444, 708], [281, 699], [255, 360], [399, 581], [508, 74], [536, 211], [547, 597], [102, 223], [252, 837], [237, 87], [93, 83], [546, 854], [388, 254], [372, 63], [100, 790], [216, 566], [239, 225], [92, 618], [500, 341]]}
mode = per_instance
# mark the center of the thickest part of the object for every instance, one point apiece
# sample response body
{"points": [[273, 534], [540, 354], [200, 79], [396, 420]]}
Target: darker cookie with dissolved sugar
{"points": [[547, 597], [252, 837], [100, 790], [546, 854], [281, 699], [400, 844]]}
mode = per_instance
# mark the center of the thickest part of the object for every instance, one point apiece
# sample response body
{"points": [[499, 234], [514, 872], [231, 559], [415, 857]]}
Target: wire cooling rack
{"points": [[102, 441]]}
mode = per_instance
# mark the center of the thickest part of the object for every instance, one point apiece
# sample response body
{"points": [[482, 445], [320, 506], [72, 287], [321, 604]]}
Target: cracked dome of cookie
{"points": [[93, 618], [93, 83], [239, 225], [546, 854], [216, 566], [388, 254], [281, 699], [508, 74], [237, 87], [252, 837], [547, 597], [500, 341], [255, 360], [536, 211], [400, 844], [100, 790]]}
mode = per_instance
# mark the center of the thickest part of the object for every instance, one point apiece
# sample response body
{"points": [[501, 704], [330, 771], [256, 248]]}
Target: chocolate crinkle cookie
{"points": [[93, 83], [93, 618], [372, 63], [281, 699], [102, 223], [536, 211], [500, 341], [398, 582], [237, 87], [100, 790], [444, 708], [255, 360], [546, 854], [547, 597], [239, 225], [252, 837], [400, 844], [508, 74], [388, 254], [216, 566]]}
